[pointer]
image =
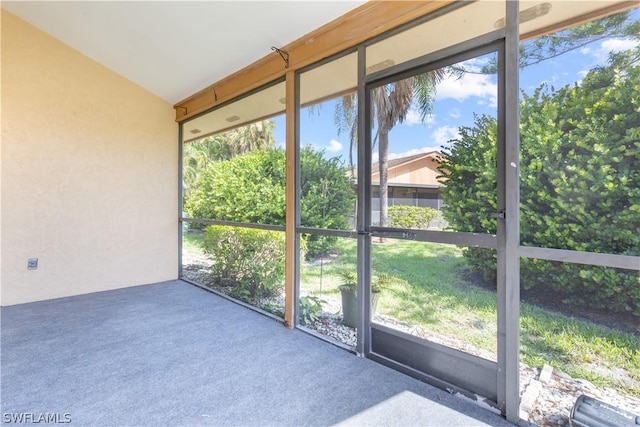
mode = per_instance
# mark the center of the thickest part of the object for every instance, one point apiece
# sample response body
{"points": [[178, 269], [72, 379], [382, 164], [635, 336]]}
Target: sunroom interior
{"points": [[105, 188]]}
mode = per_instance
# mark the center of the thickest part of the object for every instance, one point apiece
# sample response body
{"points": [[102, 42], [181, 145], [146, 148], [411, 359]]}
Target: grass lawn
{"points": [[193, 242], [442, 296]]}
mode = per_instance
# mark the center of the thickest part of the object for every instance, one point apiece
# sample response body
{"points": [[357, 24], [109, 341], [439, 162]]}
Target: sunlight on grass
{"points": [[193, 241], [442, 296], [572, 345]]}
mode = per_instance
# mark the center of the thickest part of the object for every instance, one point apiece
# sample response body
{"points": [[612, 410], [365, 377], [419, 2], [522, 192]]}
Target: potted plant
{"points": [[348, 291]]}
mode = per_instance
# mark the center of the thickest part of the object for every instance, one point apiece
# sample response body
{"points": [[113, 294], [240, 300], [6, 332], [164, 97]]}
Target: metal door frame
{"points": [[439, 365]]}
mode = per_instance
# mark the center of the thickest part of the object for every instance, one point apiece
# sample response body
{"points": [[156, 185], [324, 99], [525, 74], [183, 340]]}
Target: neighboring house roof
{"points": [[393, 163], [418, 169]]}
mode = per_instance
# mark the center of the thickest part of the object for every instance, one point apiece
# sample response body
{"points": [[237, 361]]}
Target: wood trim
{"points": [[290, 216], [351, 29], [369, 20]]}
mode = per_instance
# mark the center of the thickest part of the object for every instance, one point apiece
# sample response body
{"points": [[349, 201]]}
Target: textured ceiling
{"points": [[175, 48]]}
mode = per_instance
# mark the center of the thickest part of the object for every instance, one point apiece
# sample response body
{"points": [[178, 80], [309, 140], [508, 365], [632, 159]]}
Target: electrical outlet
{"points": [[32, 264]]}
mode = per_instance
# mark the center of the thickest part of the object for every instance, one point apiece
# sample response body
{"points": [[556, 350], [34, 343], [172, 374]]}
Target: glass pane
{"points": [[434, 142], [472, 20], [475, 18], [328, 145], [321, 276], [238, 176], [327, 187], [268, 102], [579, 191], [244, 263], [589, 339], [331, 80], [580, 161], [436, 292]]}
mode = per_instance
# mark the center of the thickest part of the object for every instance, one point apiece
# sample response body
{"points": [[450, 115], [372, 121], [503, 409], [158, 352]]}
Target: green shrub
{"points": [[251, 261], [327, 198], [248, 188], [579, 186], [401, 216], [251, 189], [310, 309]]}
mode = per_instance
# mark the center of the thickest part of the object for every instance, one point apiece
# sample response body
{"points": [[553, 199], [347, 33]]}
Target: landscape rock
{"points": [[557, 391]]}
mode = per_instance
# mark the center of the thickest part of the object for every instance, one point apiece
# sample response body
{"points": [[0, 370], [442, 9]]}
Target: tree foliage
{"points": [[618, 26], [579, 183], [251, 189], [198, 154], [327, 198]]}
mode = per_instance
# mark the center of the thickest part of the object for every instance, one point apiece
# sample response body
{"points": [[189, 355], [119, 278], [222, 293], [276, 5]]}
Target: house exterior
{"points": [[412, 180]]}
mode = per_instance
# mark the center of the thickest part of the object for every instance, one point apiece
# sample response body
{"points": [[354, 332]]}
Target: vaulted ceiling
{"points": [[175, 48]]}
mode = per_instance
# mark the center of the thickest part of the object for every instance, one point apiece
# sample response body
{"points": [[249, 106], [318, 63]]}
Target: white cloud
{"points": [[475, 64], [413, 118], [442, 135], [455, 113], [430, 119], [334, 146], [479, 85], [611, 45], [617, 45]]}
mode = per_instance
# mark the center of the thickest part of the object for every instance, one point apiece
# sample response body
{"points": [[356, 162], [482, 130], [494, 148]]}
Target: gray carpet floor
{"points": [[172, 354]]}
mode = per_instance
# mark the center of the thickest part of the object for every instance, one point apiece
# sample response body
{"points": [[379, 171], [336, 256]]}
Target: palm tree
{"points": [[346, 120], [255, 136], [198, 154], [390, 104]]}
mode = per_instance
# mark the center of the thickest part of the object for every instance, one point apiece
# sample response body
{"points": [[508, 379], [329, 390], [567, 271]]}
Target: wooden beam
{"points": [[349, 30], [290, 218], [363, 23]]}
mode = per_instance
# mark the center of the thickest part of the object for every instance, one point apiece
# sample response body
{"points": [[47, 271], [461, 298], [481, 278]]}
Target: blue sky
{"points": [[456, 101]]}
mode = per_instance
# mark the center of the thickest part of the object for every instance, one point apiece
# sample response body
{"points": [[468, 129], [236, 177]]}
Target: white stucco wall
{"points": [[89, 173]]}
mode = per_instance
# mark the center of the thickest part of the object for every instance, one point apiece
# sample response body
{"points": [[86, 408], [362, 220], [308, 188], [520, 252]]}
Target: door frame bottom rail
{"points": [[443, 367]]}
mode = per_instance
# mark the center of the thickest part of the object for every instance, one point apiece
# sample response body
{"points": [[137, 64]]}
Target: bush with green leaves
{"points": [[251, 189], [248, 188], [402, 216], [310, 308], [327, 198], [579, 184], [250, 261]]}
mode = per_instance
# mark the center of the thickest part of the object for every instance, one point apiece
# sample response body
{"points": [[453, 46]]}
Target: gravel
{"points": [[557, 395]]}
